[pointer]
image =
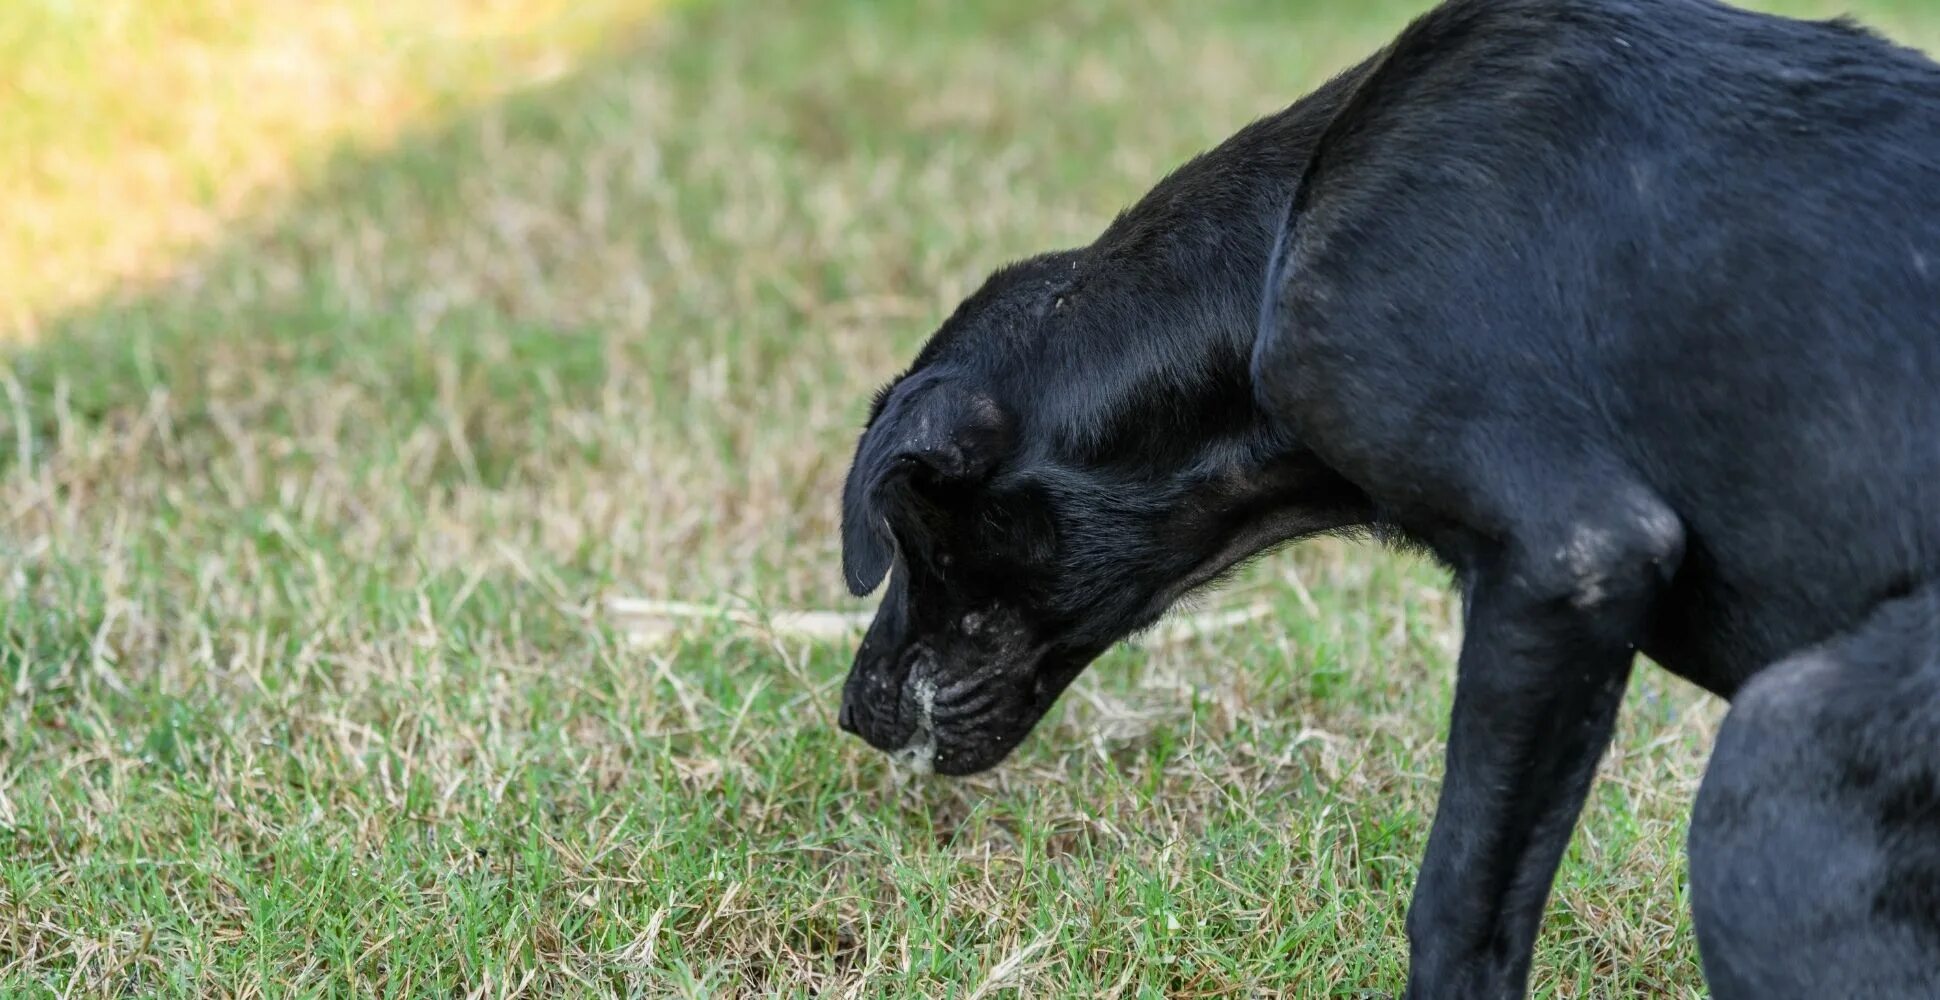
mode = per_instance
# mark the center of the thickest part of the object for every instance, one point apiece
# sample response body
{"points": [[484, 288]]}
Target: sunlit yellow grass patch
{"points": [[130, 129]]}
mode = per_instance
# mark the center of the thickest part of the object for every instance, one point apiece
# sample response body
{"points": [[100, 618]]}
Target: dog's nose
{"points": [[846, 718]]}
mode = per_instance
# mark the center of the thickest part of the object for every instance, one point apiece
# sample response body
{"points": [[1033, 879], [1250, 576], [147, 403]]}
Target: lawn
{"points": [[312, 506]]}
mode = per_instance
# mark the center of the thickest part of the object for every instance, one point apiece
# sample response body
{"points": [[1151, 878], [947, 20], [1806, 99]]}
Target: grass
{"points": [[306, 688]]}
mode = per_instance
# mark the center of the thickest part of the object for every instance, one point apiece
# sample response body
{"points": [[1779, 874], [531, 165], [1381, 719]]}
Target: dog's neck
{"points": [[1161, 312], [1200, 240], [1168, 304]]}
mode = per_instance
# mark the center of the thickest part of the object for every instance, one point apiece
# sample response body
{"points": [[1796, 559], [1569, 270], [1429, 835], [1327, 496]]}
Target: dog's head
{"points": [[1067, 457]]}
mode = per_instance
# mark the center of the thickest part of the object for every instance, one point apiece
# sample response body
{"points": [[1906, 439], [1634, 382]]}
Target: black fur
{"points": [[1626, 310]]}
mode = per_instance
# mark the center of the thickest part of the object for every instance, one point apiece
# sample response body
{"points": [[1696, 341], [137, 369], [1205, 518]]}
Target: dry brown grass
{"points": [[134, 130]]}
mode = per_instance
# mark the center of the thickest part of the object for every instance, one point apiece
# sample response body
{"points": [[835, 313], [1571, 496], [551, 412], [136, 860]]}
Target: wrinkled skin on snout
{"points": [[1025, 526], [953, 682]]}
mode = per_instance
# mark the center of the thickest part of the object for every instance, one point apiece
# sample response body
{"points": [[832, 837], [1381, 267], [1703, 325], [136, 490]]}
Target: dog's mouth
{"points": [[972, 725]]}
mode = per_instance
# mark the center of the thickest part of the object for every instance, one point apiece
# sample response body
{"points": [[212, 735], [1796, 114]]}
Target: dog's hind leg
{"points": [[1815, 843]]}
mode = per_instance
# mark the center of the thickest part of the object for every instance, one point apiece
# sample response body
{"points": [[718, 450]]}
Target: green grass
{"points": [[307, 689]]}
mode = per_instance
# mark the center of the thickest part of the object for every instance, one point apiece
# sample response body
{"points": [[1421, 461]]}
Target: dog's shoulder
{"points": [[1524, 200]]}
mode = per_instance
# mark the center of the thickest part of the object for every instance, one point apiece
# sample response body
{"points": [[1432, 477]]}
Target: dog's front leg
{"points": [[1546, 654]]}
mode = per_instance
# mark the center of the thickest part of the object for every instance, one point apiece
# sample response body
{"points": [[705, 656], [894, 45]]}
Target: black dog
{"points": [[1626, 310]]}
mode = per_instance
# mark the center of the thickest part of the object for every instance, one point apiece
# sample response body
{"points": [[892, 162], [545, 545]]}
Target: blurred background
{"points": [[358, 354]]}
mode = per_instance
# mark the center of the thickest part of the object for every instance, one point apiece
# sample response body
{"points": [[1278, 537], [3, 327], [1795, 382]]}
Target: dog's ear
{"points": [[939, 432]]}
